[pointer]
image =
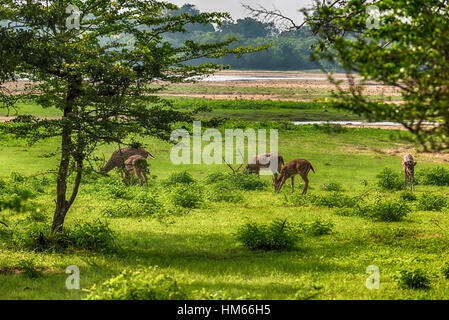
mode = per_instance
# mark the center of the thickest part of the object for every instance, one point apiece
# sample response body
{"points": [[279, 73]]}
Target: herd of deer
{"points": [[134, 162]]}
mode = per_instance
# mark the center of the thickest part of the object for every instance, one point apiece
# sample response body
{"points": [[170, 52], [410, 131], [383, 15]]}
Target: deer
{"points": [[289, 170], [262, 161], [408, 167], [137, 164], [119, 157]]}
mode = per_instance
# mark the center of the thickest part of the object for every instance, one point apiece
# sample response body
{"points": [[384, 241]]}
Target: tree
{"points": [[95, 61], [400, 43]]}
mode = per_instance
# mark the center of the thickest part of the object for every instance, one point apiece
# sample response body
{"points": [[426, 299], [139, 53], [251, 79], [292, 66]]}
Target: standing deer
{"points": [[408, 166], [289, 170], [261, 161], [137, 164], [119, 157], [265, 160]]}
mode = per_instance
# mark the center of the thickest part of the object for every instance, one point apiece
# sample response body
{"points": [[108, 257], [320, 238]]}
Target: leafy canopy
{"points": [[408, 49]]}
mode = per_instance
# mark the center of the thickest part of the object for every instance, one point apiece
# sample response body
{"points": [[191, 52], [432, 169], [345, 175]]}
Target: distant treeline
{"points": [[289, 50]]}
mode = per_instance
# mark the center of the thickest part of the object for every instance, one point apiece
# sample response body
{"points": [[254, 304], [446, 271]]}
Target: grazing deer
{"points": [[119, 157], [289, 170], [408, 166], [265, 160], [137, 164], [261, 161]]}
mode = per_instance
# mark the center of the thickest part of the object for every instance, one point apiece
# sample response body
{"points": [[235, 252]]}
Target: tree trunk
{"points": [[62, 205]]}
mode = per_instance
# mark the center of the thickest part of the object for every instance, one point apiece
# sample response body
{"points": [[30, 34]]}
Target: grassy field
{"points": [[199, 246], [240, 109]]}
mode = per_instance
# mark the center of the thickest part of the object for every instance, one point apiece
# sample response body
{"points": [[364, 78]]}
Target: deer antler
{"points": [[234, 171]]}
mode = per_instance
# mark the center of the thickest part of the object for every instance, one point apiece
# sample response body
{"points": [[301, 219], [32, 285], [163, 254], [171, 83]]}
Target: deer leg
{"points": [[139, 175], [145, 177], [293, 183], [306, 183], [405, 180], [412, 177], [132, 178]]}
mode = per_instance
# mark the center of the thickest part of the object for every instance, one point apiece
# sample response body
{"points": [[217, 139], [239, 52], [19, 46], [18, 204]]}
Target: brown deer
{"points": [[265, 160], [408, 166], [261, 161], [119, 157], [289, 170], [137, 164]]}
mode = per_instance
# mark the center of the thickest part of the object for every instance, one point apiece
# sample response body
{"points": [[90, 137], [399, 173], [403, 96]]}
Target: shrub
{"points": [[438, 176], [224, 192], [389, 180], [216, 177], [118, 190], [180, 178], [431, 202], [247, 182], [334, 186], [385, 210], [37, 236], [413, 279], [94, 236], [187, 196], [143, 284], [407, 196], [320, 228], [243, 181], [28, 268], [278, 235], [334, 200]]}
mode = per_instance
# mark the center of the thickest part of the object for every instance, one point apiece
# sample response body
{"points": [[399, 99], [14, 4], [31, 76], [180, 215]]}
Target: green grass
{"points": [[200, 247], [252, 110]]}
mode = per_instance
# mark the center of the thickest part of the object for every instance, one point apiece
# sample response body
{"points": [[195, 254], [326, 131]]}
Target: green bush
{"points": [[224, 192], [334, 186], [180, 178], [320, 228], [334, 200], [413, 279], [143, 284], [278, 235], [187, 196], [243, 181], [385, 210], [216, 177], [93, 236], [407, 196], [37, 236], [431, 202], [28, 268], [387, 179], [118, 190], [438, 176]]}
